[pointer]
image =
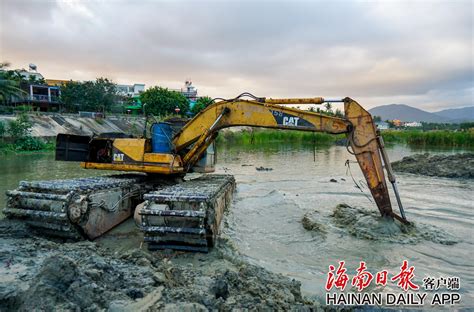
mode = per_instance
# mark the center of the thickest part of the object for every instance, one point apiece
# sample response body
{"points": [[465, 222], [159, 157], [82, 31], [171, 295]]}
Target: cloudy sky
{"points": [[379, 52]]}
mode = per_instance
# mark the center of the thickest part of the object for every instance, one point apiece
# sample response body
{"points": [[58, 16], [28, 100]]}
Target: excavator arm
{"points": [[363, 138]]}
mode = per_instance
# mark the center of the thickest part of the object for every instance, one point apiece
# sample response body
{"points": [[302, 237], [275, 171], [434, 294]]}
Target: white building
{"points": [[189, 91], [27, 74], [131, 90], [382, 125], [413, 124]]}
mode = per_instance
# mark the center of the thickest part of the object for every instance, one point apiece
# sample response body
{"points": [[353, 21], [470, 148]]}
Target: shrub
{"points": [[29, 144], [20, 127], [201, 104]]}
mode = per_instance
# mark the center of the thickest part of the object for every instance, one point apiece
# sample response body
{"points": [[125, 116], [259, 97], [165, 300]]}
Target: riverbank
{"points": [[48, 126], [248, 136], [43, 147], [444, 138]]}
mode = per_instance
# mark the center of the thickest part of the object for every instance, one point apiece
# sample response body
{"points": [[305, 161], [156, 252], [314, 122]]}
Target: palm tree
{"points": [[8, 86], [328, 107]]}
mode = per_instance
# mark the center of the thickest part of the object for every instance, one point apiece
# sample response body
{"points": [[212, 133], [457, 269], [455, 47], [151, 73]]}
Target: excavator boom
{"points": [[357, 124]]}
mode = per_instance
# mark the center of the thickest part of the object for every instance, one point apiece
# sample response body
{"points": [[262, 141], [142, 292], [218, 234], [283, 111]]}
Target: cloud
{"points": [[380, 52]]}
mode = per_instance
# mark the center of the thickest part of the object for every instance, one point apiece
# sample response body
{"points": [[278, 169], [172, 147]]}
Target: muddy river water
{"points": [[265, 220]]}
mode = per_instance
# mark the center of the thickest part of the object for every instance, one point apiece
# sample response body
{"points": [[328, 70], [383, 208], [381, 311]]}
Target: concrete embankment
{"points": [[48, 126]]}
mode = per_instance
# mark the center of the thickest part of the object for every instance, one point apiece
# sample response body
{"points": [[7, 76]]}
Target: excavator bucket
{"points": [[364, 144]]}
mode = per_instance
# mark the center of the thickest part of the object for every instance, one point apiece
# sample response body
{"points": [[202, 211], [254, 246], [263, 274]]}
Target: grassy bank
{"points": [[26, 147], [431, 138], [443, 138], [260, 136]]}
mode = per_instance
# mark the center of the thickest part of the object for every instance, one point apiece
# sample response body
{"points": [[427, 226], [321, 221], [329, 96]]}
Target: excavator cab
{"points": [[118, 151]]}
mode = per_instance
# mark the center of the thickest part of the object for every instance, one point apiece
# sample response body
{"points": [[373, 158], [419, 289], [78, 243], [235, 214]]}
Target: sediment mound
{"points": [[40, 274], [448, 166], [366, 224], [311, 222]]}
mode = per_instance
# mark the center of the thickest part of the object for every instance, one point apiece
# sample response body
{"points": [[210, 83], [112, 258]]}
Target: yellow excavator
{"points": [[173, 212]]}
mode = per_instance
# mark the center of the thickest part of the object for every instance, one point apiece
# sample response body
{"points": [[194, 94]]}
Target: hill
{"points": [[458, 114], [406, 113]]}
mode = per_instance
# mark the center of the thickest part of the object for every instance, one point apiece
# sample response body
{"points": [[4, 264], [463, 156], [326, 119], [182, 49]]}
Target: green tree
{"points": [[377, 118], [201, 104], [34, 80], [161, 101], [20, 127], [466, 126], [98, 96], [9, 87]]}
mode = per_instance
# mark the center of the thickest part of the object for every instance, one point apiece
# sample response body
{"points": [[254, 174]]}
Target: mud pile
{"points": [[449, 166], [311, 222], [41, 274], [368, 224]]}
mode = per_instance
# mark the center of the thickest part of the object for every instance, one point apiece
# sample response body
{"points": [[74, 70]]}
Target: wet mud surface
{"points": [[369, 225], [42, 274], [449, 166]]}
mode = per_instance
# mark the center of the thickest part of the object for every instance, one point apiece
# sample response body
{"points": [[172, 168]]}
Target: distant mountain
{"points": [[458, 114], [406, 113]]}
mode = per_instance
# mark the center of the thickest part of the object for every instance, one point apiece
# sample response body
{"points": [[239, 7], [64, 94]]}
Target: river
{"points": [[264, 221]]}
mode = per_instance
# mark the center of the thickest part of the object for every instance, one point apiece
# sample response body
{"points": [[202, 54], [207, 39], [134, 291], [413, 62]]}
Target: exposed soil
{"points": [[448, 166], [368, 224], [42, 274], [311, 221]]}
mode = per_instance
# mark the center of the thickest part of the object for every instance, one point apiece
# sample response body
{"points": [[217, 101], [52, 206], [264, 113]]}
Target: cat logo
{"points": [[118, 157], [290, 121], [284, 119]]}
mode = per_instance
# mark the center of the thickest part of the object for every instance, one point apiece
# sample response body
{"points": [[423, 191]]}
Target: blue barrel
{"points": [[161, 136]]}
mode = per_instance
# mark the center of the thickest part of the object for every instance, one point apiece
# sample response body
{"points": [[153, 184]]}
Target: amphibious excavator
{"points": [[171, 211]]}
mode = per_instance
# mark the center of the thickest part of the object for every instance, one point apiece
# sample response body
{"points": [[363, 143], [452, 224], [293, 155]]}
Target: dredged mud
{"points": [[368, 224], [311, 222], [448, 166], [42, 274]]}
